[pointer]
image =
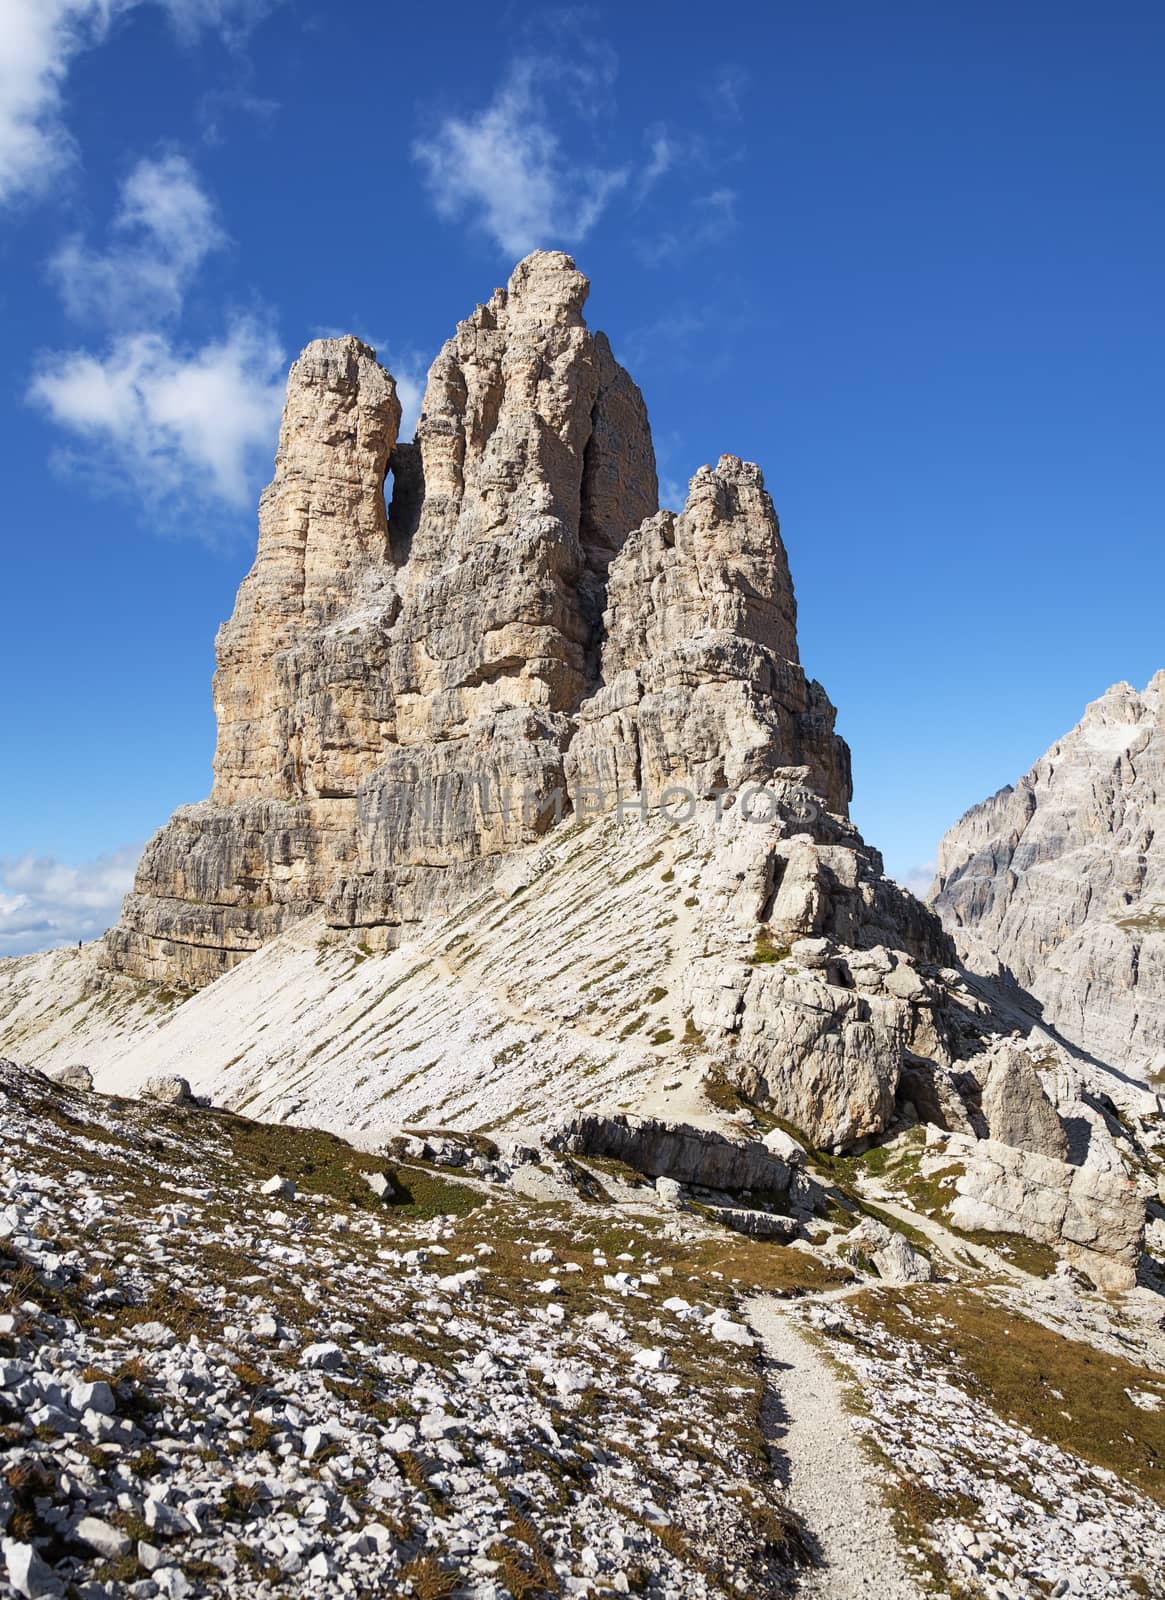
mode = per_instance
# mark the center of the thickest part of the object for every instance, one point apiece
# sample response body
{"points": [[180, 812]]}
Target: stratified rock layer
{"points": [[1063, 878], [406, 696]]}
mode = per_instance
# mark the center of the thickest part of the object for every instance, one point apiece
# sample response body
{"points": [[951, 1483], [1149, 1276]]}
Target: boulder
{"points": [[1095, 1219], [1016, 1109], [676, 1150], [103, 1537], [757, 1224], [278, 1186], [889, 1252], [168, 1088], [30, 1576], [785, 1147], [76, 1077]]}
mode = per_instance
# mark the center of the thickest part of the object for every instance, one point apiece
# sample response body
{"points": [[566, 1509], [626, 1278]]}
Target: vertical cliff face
{"points": [[299, 715], [525, 417], [407, 694], [1063, 878], [302, 698], [701, 686]]}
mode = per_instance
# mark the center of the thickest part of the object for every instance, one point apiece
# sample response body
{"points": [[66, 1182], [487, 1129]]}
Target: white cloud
{"points": [[505, 170], [918, 879], [232, 19], [45, 903], [165, 228], [38, 41], [411, 372], [663, 153], [165, 422], [672, 494]]}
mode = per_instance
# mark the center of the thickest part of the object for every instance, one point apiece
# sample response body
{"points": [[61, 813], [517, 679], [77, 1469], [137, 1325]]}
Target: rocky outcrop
{"points": [[1016, 1109], [1097, 1219], [688, 1155], [302, 699], [408, 694], [872, 1243], [1063, 879], [390, 674], [701, 686], [412, 697]]}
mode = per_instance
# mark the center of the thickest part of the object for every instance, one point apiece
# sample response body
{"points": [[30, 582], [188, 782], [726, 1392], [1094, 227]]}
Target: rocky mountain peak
{"points": [[546, 288], [520, 618], [1063, 878]]}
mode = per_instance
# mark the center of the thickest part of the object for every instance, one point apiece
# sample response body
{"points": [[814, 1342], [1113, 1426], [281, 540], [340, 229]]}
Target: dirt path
{"points": [[830, 1481], [957, 1251]]}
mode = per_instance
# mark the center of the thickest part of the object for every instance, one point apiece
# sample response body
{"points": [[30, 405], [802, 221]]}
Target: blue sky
{"points": [[908, 258]]}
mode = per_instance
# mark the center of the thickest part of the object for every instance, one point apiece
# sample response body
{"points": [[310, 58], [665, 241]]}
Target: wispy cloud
{"points": [[661, 158], [504, 170], [45, 902], [725, 90], [39, 40], [673, 494], [165, 227], [176, 424], [218, 105], [167, 422], [410, 386], [232, 20], [711, 220], [918, 879], [643, 346], [669, 151]]}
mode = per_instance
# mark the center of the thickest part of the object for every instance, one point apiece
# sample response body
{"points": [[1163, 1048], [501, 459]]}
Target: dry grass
{"points": [[429, 1580], [1059, 1389]]}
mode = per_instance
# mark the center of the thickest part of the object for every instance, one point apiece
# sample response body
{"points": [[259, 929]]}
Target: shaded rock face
{"points": [[1017, 1110], [684, 1154], [1063, 879], [406, 695]]}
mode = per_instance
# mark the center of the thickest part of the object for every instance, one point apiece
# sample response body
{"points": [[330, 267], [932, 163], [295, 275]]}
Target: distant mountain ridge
{"points": [[1062, 876]]}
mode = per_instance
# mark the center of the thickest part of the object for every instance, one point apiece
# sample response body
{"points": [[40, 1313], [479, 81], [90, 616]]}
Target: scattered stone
{"points": [[170, 1089], [103, 1537], [326, 1357], [96, 1396]]}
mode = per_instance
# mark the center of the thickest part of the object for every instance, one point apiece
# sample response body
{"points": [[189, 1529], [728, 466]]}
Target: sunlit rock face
{"points": [[1063, 879], [406, 694]]}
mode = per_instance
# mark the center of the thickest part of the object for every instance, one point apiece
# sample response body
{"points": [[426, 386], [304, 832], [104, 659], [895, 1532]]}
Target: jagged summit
{"points": [[1063, 878], [519, 620]]}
